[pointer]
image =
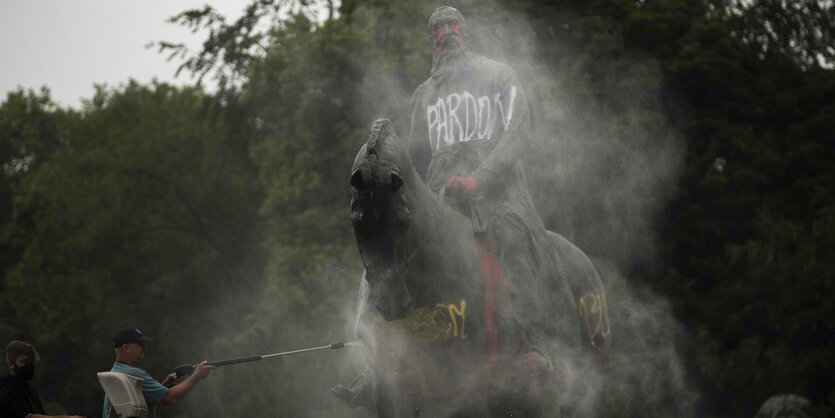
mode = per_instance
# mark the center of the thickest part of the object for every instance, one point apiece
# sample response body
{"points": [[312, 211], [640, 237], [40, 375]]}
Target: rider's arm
{"points": [[515, 138], [418, 142]]}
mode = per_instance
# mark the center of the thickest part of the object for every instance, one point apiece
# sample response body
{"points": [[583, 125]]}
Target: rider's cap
{"points": [[129, 335]]}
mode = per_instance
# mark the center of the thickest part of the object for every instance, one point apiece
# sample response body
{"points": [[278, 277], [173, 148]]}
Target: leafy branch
{"points": [[230, 48], [803, 29]]}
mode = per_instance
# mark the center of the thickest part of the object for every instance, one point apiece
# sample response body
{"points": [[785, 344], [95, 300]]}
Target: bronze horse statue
{"points": [[429, 315]]}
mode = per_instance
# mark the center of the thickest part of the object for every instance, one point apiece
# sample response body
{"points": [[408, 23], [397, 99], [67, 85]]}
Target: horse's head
{"points": [[381, 218]]}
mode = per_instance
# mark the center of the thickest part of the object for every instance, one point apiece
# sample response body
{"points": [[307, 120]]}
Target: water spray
{"points": [[184, 370]]}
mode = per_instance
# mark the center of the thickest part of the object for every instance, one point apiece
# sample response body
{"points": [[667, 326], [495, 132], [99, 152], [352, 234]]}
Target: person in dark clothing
{"points": [[18, 399], [470, 127]]}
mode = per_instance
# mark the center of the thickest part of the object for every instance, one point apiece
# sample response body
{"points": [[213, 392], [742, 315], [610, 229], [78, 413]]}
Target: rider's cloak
{"points": [[474, 120]]}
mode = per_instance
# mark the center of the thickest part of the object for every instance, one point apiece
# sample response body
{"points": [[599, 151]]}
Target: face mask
{"points": [[25, 373]]}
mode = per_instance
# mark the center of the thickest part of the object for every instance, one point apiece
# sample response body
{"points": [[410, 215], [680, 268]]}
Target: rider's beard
{"points": [[451, 57]]}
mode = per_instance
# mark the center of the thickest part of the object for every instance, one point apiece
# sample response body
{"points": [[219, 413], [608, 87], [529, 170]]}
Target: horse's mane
{"points": [[381, 129], [382, 154]]}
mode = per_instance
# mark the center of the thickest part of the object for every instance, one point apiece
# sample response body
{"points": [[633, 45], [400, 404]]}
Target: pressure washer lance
{"points": [[185, 370]]}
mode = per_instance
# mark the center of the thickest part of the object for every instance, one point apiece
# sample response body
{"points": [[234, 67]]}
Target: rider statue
{"points": [[470, 126]]}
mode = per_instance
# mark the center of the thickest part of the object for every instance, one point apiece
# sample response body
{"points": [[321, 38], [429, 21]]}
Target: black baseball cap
{"points": [[129, 335]]}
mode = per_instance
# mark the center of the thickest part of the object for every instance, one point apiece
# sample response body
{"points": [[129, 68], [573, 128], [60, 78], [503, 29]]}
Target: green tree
{"points": [[31, 129], [231, 47], [751, 191], [803, 29], [145, 216], [683, 144]]}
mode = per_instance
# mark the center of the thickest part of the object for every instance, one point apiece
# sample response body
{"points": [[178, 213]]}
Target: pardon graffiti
{"points": [[461, 117]]}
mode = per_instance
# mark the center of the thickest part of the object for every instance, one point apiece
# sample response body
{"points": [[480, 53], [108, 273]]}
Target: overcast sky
{"points": [[68, 45]]}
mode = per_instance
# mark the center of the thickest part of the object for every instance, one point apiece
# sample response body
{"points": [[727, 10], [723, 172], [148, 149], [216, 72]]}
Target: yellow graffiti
{"points": [[453, 311], [595, 316], [433, 323]]}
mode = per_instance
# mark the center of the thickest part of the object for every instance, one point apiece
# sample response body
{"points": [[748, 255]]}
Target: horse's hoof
{"points": [[360, 393], [344, 394]]}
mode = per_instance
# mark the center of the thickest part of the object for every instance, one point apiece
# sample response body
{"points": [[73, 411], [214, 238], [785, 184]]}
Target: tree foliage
{"points": [[231, 47], [139, 217], [803, 29]]}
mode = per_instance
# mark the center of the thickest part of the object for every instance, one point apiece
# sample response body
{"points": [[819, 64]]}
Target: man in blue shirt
{"points": [[130, 345]]}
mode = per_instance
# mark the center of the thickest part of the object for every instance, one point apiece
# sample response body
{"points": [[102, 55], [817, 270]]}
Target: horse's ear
{"points": [[396, 182], [356, 180]]}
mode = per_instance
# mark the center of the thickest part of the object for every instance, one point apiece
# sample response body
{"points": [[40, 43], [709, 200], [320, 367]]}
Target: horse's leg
{"points": [[396, 389], [361, 390], [394, 402], [359, 393], [588, 294], [514, 404], [591, 329], [373, 388]]}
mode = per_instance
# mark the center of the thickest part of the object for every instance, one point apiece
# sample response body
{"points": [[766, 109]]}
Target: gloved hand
{"points": [[461, 186]]}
